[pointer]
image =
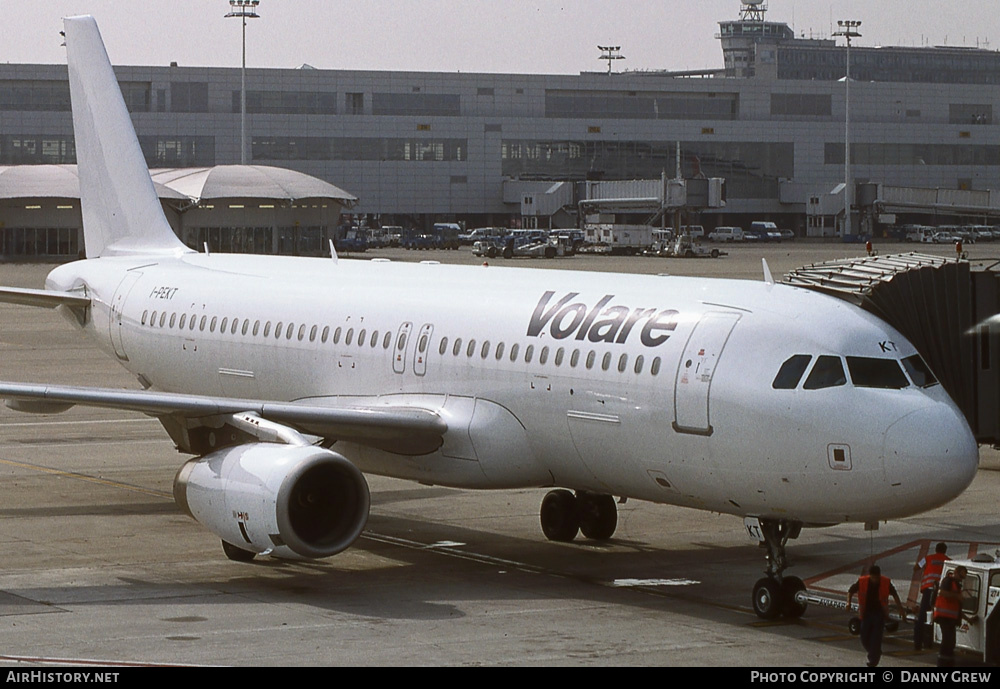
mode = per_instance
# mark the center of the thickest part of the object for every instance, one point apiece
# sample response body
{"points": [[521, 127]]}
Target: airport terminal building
{"points": [[418, 147]]}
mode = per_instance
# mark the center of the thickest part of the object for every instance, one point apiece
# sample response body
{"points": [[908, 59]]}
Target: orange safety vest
{"points": [[883, 594], [932, 570], [944, 607]]}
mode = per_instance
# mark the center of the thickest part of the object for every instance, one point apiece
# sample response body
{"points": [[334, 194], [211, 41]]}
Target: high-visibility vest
{"points": [[883, 594], [932, 570], [944, 607]]}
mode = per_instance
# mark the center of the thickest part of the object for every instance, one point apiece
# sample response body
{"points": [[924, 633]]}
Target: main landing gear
{"points": [[564, 514], [774, 595]]}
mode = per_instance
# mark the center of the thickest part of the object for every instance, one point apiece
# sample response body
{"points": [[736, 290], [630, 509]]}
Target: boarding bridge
{"points": [[943, 306]]}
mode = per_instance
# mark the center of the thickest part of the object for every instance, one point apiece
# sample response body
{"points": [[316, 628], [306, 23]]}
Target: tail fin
{"points": [[121, 211]]}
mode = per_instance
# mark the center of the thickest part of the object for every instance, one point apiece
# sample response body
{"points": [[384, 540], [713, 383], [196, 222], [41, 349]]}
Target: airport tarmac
{"points": [[99, 565]]}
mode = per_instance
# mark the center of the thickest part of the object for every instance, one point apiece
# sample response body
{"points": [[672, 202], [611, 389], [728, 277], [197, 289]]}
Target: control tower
{"points": [[749, 44]]}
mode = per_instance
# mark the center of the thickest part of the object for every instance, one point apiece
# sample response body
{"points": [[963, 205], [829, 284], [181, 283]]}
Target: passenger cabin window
{"points": [[919, 371], [869, 372], [827, 373], [791, 372]]}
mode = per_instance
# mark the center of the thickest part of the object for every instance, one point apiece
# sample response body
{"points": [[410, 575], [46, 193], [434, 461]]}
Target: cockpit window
{"points": [[791, 372], [868, 372], [827, 373], [919, 371]]}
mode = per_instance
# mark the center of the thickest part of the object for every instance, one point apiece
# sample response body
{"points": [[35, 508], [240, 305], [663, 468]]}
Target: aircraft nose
{"points": [[930, 456]]}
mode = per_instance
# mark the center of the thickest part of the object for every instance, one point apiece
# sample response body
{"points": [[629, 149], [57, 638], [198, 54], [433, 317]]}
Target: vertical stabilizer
{"points": [[121, 212]]}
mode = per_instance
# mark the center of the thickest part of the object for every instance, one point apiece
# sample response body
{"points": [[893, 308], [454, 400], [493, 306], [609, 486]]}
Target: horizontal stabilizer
{"points": [[45, 298], [402, 429]]}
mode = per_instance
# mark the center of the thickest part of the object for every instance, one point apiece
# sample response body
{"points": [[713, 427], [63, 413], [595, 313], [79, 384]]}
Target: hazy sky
{"points": [[544, 36]]}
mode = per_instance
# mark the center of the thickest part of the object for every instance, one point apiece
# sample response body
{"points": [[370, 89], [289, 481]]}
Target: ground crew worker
{"points": [[948, 613], [931, 566], [873, 604]]}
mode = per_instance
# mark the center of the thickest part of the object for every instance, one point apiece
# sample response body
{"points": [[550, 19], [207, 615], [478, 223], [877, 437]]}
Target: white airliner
{"points": [[288, 378]]}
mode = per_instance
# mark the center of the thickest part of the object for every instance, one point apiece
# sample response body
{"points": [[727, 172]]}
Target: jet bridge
{"points": [[947, 307]]}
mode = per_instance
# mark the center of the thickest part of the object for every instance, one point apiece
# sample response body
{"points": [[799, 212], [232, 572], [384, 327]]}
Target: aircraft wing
{"points": [[407, 430]]}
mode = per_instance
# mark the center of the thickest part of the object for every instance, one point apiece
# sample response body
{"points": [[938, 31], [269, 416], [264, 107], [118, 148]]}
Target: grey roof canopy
{"points": [[179, 184], [248, 181], [53, 182]]}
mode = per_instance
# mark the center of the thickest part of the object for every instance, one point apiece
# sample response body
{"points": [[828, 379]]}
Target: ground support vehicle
{"points": [[353, 241], [625, 240], [726, 234], [685, 247], [488, 248], [763, 231], [535, 247], [981, 591]]}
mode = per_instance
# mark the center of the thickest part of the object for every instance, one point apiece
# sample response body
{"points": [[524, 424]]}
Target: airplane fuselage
{"points": [[652, 387]]}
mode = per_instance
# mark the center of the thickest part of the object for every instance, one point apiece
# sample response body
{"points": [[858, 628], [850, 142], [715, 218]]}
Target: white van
{"points": [[726, 234]]}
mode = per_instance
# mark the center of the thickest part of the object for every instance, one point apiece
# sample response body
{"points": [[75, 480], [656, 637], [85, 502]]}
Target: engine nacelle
{"points": [[284, 500]]}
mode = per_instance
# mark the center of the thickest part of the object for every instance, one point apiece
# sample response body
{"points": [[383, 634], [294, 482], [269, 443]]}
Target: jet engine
{"points": [[288, 501]]}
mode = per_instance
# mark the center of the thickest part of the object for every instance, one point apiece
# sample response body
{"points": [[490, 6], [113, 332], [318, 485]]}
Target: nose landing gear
{"points": [[774, 595]]}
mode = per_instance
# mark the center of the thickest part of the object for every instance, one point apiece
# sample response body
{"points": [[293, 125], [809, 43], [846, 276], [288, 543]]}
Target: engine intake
{"points": [[283, 500]]}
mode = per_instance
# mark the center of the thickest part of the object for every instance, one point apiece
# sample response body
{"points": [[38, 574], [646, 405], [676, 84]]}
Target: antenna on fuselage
{"points": [[333, 252], [768, 278]]}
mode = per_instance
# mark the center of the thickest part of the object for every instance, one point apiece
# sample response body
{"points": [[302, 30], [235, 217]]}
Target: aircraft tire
{"points": [[854, 625], [598, 516], [767, 598], [559, 516], [789, 587], [491, 252], [237, 554], [508, 253]]}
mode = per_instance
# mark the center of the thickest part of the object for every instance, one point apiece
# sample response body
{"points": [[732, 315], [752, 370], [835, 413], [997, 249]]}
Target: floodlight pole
{"points": [[611, 53], [246, 9], [849, 30]]}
